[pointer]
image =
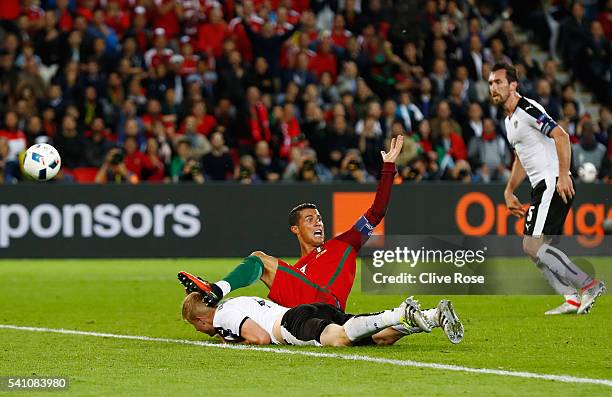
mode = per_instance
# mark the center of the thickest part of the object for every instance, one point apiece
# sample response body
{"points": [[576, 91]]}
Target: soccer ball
{"points": [[587, 173], [42, 161]]}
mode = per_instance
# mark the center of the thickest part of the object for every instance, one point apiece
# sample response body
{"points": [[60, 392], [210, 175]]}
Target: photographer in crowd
{"points": [[114, 169]]}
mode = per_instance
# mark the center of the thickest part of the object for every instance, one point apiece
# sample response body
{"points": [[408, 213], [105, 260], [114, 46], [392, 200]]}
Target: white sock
{"points": [[432, 318], [224, 286], [364, 325]]}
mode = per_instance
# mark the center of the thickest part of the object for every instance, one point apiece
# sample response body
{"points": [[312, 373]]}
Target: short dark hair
{"points": [[511, 73], [294, 214]]}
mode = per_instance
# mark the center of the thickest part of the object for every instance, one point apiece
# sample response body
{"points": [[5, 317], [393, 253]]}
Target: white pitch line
{"points": [[350, 357]]}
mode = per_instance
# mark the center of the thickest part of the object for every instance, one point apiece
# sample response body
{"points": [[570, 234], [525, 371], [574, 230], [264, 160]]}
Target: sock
{"points": [[245, 274], [364, 325], [559, 285], [563, 267], [221, 287], [431, 316]]}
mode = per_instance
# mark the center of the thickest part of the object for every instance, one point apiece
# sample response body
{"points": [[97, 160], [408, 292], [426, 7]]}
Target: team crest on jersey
{"points": [[515, 123]]}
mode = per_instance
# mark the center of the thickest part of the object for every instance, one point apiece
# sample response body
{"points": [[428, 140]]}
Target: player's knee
{"points": [[531, 246], [335, 336], [260, 254]]}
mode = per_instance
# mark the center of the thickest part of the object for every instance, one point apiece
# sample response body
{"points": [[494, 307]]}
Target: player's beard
{"points": [[499, 99]]}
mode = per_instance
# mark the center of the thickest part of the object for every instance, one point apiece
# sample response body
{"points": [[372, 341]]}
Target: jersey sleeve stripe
{"points": [[544, 121], [240, 326]]}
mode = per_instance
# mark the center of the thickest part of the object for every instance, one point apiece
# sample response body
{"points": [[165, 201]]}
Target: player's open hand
{"points": [[514, 205], [394, 149], [565, 188]]}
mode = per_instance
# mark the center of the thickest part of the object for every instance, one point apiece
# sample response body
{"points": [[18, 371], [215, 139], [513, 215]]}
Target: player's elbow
{"points": [[559, 133], [259, 340]]}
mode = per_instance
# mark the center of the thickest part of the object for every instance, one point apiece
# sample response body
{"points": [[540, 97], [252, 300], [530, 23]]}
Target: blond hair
{"points": [[194, 307]]}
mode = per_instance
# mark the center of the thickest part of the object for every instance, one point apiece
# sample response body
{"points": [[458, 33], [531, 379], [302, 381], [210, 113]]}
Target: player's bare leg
{"points": [[257, 266]]}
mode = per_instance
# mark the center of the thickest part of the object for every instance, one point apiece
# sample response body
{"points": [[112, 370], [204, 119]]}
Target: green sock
{"points": [[245, 274]]}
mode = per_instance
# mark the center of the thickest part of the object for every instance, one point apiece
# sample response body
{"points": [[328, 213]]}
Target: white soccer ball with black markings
{"points": [[587, 172], [42, 162]]}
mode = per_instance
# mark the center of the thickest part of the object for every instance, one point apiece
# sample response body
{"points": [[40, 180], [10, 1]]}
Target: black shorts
{"points": [[304, 324], [547, 212]]}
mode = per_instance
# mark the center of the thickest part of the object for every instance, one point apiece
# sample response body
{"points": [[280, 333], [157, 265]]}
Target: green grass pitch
{"points": [[142, 297]]}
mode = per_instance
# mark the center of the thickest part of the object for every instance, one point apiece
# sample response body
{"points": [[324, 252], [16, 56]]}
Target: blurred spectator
{"points": [[451, 151], [599, 52], [267, 44], [218, 164], [114, 170], [545, 98], [604, 125], [184, 167], [133, 158], [4, 152], [575, 38], [69, 143], [588, 150], [408, 112], [425, 101], [474, 125], [443, 113], [489, 154], [532, 67], [246, 171], [410, 149], [263, 78], [96, 145], [353, 169], [153, 169], [313, 127], [341, 137], [300, 74], [370, 145], [266, 167], [199, 144]]}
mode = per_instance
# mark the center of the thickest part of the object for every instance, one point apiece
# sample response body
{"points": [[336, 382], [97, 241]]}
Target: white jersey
{"points": [[528, 131], [232, 313]]}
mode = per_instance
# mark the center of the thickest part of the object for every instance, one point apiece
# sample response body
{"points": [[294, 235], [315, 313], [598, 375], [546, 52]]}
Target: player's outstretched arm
{"points": [[516, 178], [565, 188], [358, 233], [377, 211]]}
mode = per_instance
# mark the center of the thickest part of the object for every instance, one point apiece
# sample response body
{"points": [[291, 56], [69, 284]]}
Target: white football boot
{"points": [[566, 307], [589, 294], [413, 317], [447, 319]]}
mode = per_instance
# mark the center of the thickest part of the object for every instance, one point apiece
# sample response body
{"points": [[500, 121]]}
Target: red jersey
{"points": [[327, 273]]}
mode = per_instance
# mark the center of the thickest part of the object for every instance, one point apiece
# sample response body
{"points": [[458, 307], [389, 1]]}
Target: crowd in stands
{"points": [[254, 91]]}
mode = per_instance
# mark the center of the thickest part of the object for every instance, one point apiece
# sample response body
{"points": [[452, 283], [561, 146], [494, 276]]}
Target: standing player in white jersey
{"points": [[543, 154], [257, 321]]}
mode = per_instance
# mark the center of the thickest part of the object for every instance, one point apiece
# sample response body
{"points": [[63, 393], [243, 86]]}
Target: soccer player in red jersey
{"points": [[326, 270]]}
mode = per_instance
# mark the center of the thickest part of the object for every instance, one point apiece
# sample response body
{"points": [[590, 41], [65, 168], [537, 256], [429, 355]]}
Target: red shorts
{"points": [[291, 288]]}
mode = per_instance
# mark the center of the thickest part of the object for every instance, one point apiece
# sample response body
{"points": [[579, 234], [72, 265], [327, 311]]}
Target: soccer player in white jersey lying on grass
{"points": [[256, 321]]}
